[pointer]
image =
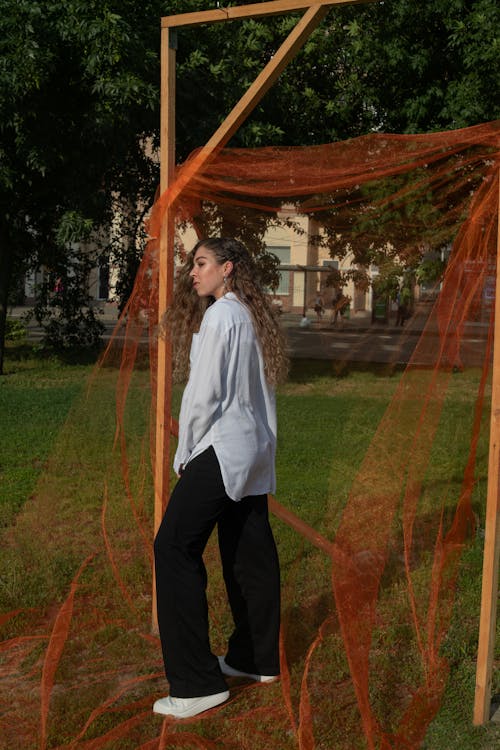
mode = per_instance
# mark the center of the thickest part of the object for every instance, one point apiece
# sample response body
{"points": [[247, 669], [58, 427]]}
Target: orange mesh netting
{"points": [[369, 570]]}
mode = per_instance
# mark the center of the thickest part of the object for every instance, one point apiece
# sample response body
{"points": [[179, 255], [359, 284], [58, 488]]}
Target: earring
{"points": [[224, 279]]}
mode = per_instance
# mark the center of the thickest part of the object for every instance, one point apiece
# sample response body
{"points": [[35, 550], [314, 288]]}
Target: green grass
{"points": [[36, 394], [56, 446]]}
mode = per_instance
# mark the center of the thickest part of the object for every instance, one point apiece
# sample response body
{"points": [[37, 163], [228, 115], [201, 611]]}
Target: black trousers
{"points": [[251, 574]]}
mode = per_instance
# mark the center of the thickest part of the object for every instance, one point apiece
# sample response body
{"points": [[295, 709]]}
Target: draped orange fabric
{"points": [[387, 568]]}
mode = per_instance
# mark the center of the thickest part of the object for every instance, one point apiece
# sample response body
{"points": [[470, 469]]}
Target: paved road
{"points": [[355, 345], [382, 344], [357, 340]]}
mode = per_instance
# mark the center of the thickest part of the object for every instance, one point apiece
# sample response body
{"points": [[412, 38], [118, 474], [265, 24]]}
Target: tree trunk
{"points": [[5, 281]]}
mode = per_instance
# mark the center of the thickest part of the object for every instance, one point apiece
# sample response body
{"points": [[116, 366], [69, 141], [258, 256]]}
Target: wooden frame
{"points": [[165, 291], [255, 10], [315, 11], [491, 555]]}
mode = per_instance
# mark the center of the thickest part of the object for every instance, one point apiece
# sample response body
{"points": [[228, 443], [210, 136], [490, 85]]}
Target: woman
{"points": [[225, 464]]}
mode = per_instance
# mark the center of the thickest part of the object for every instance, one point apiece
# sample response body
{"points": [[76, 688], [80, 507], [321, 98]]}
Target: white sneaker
{"points": [[183, 708], [231, 672]]}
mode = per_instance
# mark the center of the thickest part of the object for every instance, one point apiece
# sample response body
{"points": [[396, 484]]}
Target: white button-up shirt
{"points": [[228, 403]]}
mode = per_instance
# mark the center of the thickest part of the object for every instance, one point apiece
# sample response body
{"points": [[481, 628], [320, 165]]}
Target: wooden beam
{"points": [[165, 288], [491, 555], [292, 44], [167, 108], [255, 10]]}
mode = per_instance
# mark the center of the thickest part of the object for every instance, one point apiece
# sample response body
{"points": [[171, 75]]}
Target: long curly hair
{"points": [[184, 315]]}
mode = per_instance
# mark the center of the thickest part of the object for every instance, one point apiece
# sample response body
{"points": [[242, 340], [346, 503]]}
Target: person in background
{"points": [[337, 297], [401, 308], [340, 306], [319, 306], [225, 464]]}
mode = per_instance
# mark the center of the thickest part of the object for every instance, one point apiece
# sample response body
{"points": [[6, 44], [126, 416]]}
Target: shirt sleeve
{"points": [[204, 391]]}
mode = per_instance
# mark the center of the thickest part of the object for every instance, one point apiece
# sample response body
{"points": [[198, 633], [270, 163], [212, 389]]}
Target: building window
{"points": [[283, 253]]}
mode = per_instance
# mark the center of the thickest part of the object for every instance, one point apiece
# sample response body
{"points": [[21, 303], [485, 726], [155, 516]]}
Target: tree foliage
{"points": [[78, 95]]}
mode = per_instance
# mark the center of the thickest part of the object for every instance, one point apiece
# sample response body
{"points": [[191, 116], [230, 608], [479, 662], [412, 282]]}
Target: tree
{"points": [[78, 95]]}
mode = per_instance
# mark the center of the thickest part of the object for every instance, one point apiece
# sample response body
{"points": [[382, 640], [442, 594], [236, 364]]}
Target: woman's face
{"points": [[208, 274]]}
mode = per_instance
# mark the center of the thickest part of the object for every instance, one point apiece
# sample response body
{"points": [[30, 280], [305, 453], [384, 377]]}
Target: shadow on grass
{"points": [[305, 370], [301, 370], [21, 352], [24, 352]]}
